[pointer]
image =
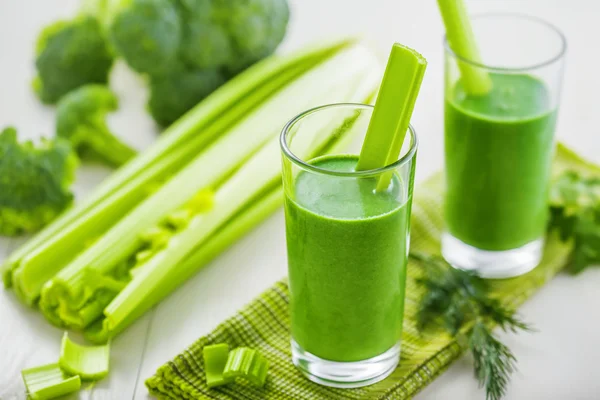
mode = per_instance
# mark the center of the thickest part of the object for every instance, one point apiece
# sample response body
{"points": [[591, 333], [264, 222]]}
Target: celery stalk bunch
{"points": [[205, 183]]}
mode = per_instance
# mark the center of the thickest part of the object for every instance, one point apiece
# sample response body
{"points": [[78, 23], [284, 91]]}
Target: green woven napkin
{"points": [[264, 324]]}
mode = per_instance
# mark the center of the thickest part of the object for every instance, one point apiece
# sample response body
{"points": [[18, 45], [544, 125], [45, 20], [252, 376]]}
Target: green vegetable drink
{"points": [[498, 153], [502, 95], [347, 241], [347, 263]]}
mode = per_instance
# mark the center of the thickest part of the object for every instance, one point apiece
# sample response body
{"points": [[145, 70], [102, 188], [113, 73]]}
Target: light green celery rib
{"points": [[246, 363], [89, 362], [237, 226], [215, 359], [216, 162], [253, 177], [49, 382], [240, 89], [461, 38], [47, 260], [392, 112]]}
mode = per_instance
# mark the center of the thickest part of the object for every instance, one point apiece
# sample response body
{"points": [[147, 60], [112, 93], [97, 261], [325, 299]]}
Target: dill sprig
{"points": [[462, 302]]}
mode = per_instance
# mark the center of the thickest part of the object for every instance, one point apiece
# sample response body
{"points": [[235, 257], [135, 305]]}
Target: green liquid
{"points": [[498, 154], [347, 256]]}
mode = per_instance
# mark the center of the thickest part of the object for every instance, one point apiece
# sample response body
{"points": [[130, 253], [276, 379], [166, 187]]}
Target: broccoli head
{"points": [[81, 119], [146, 33], [173, 95], [231, 34], [188, 48], [70, 54], [34, 182]]}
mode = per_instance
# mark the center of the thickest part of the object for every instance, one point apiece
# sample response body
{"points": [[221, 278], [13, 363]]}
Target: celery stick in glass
{"points": [[461, 38], [393, 109]]}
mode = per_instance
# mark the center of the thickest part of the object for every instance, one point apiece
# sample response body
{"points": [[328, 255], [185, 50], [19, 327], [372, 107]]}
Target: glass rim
{"points": [[355, 174], [530, 18]]}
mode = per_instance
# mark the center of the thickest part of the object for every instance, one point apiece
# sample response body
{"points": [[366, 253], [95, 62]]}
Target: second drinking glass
{"points": [[499, 145]]}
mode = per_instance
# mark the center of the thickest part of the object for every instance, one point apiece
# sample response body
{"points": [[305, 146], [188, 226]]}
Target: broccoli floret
{"points": [[231, 34], [146, 33], [173, 95], [70, 54], [34, 182], [81, 119]]}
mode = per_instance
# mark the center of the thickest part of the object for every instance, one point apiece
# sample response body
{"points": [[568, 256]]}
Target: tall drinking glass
{"points": [[499, 145], [347, 249]]}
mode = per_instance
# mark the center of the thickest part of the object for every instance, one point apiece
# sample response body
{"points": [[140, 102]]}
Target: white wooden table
{"points": [[558, 362]]}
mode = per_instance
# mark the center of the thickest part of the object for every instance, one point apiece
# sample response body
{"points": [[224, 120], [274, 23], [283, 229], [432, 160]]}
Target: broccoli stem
{"points": [[113, 150]]}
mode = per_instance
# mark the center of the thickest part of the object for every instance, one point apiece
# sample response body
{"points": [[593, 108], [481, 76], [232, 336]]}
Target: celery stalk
{"points": [[48, 382], [89, 362], [215, 357], [461, 38], [68, 289], [246, 363], [244, 89], [392, 112], [263, 172]]}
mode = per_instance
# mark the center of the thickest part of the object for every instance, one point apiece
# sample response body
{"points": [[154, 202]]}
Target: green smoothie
{"points": [[347, 256], [498, 153]]}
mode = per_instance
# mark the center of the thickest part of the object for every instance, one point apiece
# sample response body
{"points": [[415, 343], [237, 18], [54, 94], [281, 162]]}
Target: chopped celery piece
{"points": [[215, 358], [48, 382], [392, 112], [246, 363], [461, 38], [89, 362]]}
